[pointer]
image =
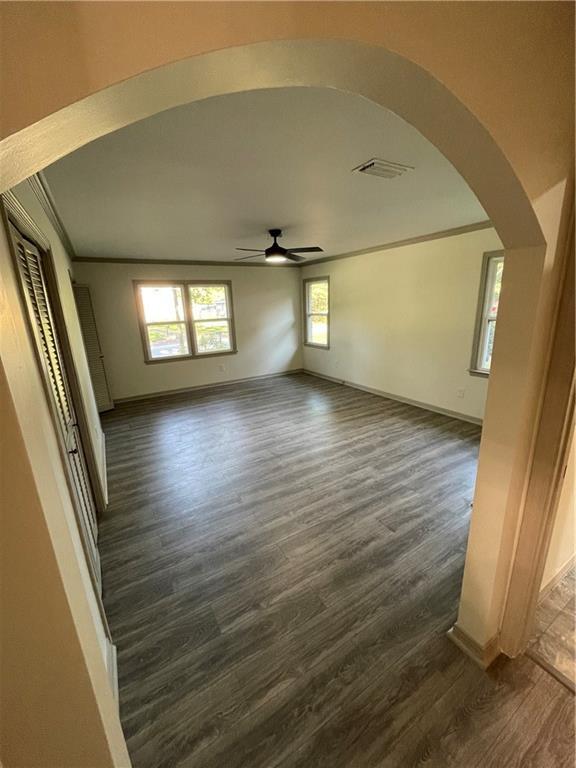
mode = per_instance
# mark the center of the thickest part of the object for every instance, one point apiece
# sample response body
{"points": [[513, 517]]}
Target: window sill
{"points": [[181, 358], [476, 372], [316, 346]]}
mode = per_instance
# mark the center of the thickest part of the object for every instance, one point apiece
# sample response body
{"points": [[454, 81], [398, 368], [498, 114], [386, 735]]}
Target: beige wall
{"points": [[49, 715], [563, 543], [403, 321], [516, 79], [53, 644], [267, 320], [510, 63], [30, 203]]}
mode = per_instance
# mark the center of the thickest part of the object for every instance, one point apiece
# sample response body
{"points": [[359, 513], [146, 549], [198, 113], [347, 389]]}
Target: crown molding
{"points": [[40, 187], [182, 262], [440, 235], [15, 211], [475, 227]]}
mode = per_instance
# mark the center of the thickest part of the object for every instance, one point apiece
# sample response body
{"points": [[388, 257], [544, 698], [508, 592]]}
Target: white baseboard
{"points": [[214, 385], [398, 398], [482, 655]]}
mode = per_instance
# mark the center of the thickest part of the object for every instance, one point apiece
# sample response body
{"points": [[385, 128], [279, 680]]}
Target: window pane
{"points": [[209, 301], [488, 345], [497, 284], [318, 329], [318, 297], [212, 336], [168, 340], [162, 303]]}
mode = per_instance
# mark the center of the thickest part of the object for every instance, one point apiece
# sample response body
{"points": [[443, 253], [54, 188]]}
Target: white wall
{"points": [[563, 543], [266, 312], [402, 321], [29, 201]]}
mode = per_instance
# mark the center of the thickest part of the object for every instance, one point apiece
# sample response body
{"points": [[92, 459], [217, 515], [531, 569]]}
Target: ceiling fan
{"points": [[275, 254]]}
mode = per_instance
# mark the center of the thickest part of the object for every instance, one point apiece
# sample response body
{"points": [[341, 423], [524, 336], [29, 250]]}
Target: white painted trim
{"points": [[399, 398], [40, 187], [26, 224], [482, 655], [215, 385]]}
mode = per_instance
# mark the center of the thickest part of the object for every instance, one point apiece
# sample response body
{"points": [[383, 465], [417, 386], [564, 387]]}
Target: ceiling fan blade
{"points": [[252, 250], [311, 249], [294, 257], [254, 256]]}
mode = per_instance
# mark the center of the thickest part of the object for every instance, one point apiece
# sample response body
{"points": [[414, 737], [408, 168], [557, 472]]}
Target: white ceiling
{"points": [[196, 181]]}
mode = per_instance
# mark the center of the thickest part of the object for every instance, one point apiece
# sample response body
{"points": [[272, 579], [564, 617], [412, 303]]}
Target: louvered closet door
{"points": [[33, 281], [93, 350]]}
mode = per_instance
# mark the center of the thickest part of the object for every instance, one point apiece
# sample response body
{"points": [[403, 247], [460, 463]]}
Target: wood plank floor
{"points": [[281, 561], [553, 644]]}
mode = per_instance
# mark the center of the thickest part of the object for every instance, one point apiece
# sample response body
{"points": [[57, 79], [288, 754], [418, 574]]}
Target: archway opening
{"points": [[415, 96]]}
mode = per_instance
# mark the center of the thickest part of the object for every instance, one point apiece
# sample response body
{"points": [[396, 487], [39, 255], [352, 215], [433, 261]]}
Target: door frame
{"points": [[13, 212], [553, 435], [75, 286]]}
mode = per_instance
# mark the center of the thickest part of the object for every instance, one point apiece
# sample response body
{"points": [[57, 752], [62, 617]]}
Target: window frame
{"points": [[227, 285], [188, 321], [482, 317], [305, 283]]}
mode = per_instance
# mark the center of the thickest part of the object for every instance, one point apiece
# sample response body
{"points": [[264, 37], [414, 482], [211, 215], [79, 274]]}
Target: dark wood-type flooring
{"points": [[281, 562], [553, 645]]}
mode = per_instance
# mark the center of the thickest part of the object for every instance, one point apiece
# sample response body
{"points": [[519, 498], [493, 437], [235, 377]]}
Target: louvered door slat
{"points": [[35, 292], [79, 470], [47, 323], [30, 265]]}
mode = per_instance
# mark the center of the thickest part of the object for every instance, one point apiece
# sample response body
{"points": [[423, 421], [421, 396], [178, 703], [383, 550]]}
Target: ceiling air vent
{"points": [[384, 168]]}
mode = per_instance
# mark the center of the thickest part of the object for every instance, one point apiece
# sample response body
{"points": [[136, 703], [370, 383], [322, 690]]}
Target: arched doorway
{"points": [[415, 95]]}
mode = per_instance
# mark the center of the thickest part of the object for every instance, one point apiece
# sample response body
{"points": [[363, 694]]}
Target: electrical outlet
{"points": [[222, 368], [460, 393]]}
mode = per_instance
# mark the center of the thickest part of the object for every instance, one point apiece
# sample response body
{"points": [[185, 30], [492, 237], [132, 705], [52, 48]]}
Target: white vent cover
{"points": [[386, 169]]}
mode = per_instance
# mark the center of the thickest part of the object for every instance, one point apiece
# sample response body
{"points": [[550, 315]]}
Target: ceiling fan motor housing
{"points": [[275, 249]]}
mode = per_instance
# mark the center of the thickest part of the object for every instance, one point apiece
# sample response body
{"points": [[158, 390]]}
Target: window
{"points": [[491, 283], [317, 310], [210, 318], [185, 319], [164, 321]]}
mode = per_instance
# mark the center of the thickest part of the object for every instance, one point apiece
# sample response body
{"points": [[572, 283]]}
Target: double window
{"points": [[185, 319], [317, 312], [492, 269]]}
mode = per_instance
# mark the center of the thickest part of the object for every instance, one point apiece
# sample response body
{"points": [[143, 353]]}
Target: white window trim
{"points": [[308, 281], [483, 316]]}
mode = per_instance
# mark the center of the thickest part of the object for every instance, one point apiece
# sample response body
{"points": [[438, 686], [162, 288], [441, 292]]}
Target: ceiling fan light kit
{"points": [[276, 254]]}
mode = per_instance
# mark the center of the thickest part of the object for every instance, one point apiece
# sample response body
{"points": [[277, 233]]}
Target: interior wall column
{"points": [[504, 453]]}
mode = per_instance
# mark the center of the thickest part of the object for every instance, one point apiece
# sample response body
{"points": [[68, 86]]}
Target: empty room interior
{"points": [[287, 394]]}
